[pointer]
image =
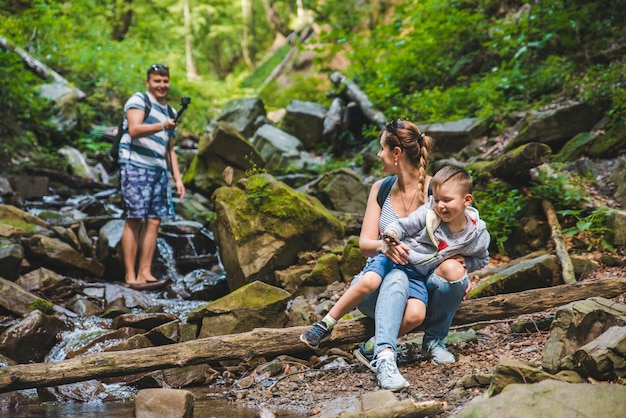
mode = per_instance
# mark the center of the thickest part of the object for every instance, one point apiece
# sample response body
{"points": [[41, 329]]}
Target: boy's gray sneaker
{"points": [[438, 351], [388, 375], [365, 356], [317, 334]]}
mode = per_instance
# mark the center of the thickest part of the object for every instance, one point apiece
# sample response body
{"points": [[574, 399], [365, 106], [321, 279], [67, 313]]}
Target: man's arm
{"points": [[173, 160]]}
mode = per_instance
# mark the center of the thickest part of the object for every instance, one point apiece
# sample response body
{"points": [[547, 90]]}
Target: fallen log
{"points": [[513, 166], [355, 94], [76, 182], [511, 305], [276, 341], [37, 66], [567, 268]]}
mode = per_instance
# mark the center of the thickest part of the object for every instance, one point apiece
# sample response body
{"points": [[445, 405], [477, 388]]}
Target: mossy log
{"points": [[514, 165], [273, 342]]}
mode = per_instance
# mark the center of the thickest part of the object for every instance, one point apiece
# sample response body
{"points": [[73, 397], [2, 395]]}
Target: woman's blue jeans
{"points": [[386, 306]]}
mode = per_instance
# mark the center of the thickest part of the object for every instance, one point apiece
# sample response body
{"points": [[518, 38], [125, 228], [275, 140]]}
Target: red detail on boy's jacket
{"points": [[473, 221], [442, 245]]}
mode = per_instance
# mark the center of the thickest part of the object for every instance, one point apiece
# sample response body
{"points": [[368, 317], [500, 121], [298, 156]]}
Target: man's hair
{"points": [[160, 69], [449, 172]]}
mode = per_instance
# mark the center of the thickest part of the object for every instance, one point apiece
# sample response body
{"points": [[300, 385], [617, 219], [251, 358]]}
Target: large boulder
{"points": [[555, 127], [550, 399], [453, 136], [305, 120], [340, 190], [277, 148], [577, 324], [261, 224], [255, 305], [243, 114]]}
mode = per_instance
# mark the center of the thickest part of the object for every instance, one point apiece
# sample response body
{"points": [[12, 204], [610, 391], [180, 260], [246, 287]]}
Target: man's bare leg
{"points": [[130, 235], [149, 235]]}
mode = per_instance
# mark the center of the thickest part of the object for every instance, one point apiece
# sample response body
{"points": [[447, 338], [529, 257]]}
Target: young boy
{"points": [[445, 234]]}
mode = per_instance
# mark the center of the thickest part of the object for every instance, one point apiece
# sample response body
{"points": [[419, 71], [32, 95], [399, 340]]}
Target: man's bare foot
{"points": [[146, 279]]}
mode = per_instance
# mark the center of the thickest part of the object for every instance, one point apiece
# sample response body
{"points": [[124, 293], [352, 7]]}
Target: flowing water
{"points": [[85, 329]]}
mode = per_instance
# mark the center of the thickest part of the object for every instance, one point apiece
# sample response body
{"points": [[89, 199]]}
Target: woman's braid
{"points": [[416, 146]]}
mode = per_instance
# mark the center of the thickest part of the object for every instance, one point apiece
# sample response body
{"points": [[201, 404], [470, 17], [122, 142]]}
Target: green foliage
{"points": [[569, 195], [499, 207], [24, 115], [436, 60], [254, 168], [308, 88], [588, 227], [260, 73]]}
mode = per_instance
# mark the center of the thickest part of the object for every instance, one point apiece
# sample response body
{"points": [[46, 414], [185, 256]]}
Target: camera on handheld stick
{"points": [[184, 102]]}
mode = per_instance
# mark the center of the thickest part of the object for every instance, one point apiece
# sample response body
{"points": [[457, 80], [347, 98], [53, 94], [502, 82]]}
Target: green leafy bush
{"points": [[499, 206]]}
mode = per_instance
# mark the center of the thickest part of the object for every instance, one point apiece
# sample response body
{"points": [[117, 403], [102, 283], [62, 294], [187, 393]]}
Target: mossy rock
{"points": [[262, 224]]}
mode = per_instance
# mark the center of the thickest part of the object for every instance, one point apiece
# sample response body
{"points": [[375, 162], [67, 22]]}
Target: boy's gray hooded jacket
{"points": [[431, 242]]}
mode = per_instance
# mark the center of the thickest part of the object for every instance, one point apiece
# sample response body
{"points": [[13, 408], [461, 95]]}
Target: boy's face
{"points": [[158, 85], [451, 201]]}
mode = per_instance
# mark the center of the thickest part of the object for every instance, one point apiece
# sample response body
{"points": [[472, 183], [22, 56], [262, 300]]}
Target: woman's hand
{"points": [[399, 254]]}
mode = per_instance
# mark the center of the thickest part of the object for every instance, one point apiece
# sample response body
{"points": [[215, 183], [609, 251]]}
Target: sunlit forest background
{"points": [[429, 60]]}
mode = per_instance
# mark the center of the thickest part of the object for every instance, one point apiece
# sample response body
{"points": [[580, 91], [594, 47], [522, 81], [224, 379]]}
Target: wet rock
{"points": [[11, 255], [88, 391], [56, 252], [158, 403], [32, 338], [145, 321]]}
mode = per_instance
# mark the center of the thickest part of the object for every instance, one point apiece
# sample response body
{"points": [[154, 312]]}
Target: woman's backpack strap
{"points": [[384, 190]]}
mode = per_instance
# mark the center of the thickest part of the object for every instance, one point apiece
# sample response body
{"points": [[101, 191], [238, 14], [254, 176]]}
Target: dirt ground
{"points": [[306, 389]]}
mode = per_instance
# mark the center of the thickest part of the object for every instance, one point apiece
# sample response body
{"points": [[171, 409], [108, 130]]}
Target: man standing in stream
{"points": [[146, 158]]}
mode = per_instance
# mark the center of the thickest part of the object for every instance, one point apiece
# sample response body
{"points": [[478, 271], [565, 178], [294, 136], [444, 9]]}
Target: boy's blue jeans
{"points": [[386, 306]]}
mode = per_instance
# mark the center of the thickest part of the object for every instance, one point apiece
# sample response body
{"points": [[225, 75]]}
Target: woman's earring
{"points": [[395, 163]]}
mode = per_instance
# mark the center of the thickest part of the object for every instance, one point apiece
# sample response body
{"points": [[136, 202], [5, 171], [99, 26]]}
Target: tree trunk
{"points": [[122, 19], [567, 269], [275, 22], [275, 341], [192, 73], [37, 66], [245, 48]]}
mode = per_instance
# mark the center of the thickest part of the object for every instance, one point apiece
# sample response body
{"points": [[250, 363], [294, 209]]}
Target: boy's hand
{"points": [[390, 237]]}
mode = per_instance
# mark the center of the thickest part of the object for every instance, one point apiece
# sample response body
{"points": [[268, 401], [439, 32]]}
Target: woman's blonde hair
{"points": [[416, 145]]}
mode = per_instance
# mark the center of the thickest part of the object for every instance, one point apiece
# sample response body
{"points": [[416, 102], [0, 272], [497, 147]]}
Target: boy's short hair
{"points": [[449, 172], [160, 69]]}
